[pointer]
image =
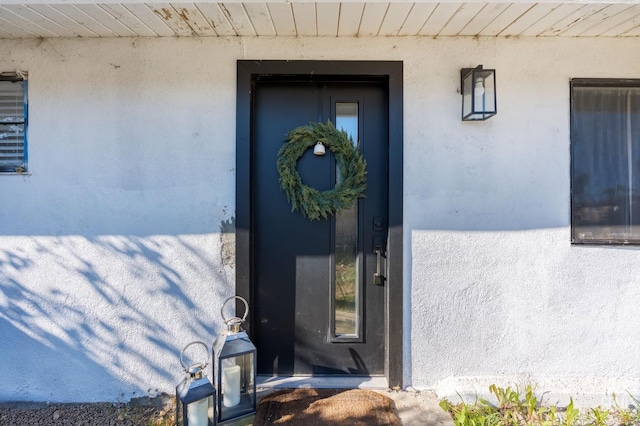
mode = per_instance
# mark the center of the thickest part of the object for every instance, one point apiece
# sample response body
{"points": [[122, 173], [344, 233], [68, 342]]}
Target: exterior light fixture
{"points": [[319, 149], [236, 373], [478, 89], [195, 395]]}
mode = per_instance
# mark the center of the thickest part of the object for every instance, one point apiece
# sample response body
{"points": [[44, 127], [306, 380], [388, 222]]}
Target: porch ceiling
{"points": [[82, 18]]}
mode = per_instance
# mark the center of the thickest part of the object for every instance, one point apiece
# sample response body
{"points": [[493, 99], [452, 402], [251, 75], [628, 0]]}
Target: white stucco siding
{"points": [[498, 294], [518, 307], [112, 255], [101, 318]]}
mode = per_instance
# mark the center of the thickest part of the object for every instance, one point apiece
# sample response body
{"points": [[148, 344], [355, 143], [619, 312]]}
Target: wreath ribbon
{"points": [[309, 201]]}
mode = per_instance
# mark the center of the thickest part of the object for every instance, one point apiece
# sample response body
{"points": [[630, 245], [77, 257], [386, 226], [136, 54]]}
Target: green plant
{"points": [[536, 414], [599, 416], [471, 415], [550, 417], [507, 398], [531, 402], [513, 409], [571, 415], [629, 416]]}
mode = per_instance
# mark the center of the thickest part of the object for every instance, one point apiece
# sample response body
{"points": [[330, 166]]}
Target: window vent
{"points": [[13, 123]]}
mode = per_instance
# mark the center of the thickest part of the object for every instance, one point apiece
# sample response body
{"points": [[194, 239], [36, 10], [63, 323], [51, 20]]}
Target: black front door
{"points": [[317, 309]]}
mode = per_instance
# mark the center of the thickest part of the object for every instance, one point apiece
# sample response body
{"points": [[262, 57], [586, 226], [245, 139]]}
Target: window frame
{"points": [[592, 83], [14, 77]]}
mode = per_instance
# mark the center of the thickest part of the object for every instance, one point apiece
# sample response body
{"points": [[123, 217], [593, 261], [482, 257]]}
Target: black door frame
{"points": [[391, 72]]}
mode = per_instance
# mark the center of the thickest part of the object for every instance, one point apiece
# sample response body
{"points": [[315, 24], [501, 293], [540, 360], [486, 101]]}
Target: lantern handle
{"points": [[246, 309], [200, 365]]}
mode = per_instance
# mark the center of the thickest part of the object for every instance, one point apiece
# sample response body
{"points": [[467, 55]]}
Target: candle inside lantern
{"points": [[198, 413], [231, 385]]}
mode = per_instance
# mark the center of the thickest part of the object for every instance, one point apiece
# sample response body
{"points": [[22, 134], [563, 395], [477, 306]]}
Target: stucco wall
{"points": [[117, 250]]}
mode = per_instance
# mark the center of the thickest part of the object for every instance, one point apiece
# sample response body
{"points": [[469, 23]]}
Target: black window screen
{"points": [[605, 161], [13, 121]]}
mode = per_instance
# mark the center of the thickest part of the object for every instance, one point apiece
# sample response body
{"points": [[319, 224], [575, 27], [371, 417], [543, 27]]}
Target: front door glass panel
{"points": [[346, 284]]}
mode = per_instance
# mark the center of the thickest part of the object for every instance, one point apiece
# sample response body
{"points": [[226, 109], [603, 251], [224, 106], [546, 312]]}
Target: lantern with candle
{"points": [[236, 372], [195, 395]]}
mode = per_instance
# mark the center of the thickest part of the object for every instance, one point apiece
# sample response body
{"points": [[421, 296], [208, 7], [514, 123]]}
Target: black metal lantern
{"points": [[236, 372], [478, 89], [195, 395]]}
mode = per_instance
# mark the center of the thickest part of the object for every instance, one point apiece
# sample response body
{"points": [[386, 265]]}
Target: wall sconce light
{"points": [[478, 89]]}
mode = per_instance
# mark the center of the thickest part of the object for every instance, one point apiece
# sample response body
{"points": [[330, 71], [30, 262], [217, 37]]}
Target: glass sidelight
{"points": [[346, 287]]}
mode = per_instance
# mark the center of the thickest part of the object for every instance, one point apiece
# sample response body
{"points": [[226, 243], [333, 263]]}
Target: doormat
{"points": [[319, 407]]}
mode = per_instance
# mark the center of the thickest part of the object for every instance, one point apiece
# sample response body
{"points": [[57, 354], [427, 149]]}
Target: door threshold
{"points": [[283, 382]]}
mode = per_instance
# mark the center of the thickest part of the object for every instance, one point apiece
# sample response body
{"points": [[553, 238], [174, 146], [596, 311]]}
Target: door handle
{"points": [[378, 278]]}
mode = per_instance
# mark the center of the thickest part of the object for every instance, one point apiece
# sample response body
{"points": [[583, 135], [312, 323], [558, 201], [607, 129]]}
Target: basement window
{"points": [[605, 161], [13, 122]]}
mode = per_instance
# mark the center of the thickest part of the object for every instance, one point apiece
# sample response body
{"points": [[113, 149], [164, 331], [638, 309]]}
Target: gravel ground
{"points": [[413, 408], [99, 414]]}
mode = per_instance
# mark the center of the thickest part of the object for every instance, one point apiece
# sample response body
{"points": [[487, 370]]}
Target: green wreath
{"points": [[309, 201]]}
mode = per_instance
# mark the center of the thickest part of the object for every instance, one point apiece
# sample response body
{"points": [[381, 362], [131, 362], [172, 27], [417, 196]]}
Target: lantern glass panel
{"points": [[467, 95], [488, 78], [478, 94], [236, 378]]}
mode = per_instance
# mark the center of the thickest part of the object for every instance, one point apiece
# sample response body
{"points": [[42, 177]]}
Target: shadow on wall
{"points": [[104, 317]]}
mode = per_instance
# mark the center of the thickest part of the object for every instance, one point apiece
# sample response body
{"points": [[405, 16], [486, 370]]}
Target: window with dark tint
{"points": [[605, 161], [13, 124]]}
